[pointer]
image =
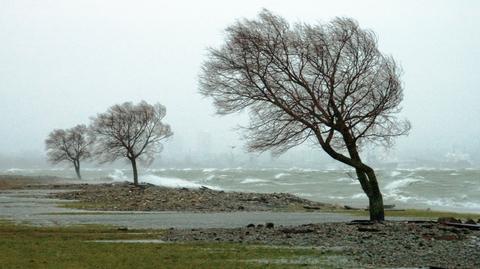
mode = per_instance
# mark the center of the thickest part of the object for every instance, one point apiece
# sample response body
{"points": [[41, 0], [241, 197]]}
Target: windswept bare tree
{"points": [[70, 145], [327, 83], [132, 131]]}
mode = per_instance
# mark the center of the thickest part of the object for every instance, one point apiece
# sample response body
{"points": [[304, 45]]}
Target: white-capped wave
{"points": [[208, 170], [425, 168], [395, 173], [210, 177], [280, 175], [232, 169], [302, 194], [442, 203], [155, 170], [118, 175], [359, 196], [253, 180], [400, 183], [294, 183], [336, 197], [448, 202], [309, 170], [94, 169], [14, 170], [398, 197], [171, 182], [344, 179], [297, 169]]}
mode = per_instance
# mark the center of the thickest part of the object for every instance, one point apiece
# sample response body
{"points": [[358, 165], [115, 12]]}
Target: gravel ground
{"points": [[126, 197], [389, 244]]}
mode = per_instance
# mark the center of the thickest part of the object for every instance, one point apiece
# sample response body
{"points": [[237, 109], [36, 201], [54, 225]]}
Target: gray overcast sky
{"points": [[64, 61]]}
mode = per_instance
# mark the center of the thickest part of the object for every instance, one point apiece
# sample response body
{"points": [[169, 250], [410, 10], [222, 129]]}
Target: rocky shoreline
{"points": [[389, 244], [127, 197], [372, 245], [419, 244]]}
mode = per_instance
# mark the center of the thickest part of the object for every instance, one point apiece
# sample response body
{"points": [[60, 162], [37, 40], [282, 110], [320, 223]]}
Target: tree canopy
{"points": [[132, 131], [68, 145], [326, 83]]}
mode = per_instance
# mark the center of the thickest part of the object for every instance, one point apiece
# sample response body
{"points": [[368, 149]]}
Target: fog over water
{"points": [[62, 62]]}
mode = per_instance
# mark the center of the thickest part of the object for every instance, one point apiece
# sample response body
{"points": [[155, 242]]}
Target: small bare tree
{"points": [[70, 145], [327, 83], [132, 131]]}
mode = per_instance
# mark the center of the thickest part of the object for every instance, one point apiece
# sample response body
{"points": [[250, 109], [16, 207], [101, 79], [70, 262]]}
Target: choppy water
{"points": [[439, 189]]}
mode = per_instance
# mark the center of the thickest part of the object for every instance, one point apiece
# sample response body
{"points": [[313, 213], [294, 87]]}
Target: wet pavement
{"points": [[33, 207]]}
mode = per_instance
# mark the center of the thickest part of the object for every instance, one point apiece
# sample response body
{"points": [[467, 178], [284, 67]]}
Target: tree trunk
{"points": [[77, 169], [365, 174], [135, 173], [368, 181], [375, 198]]}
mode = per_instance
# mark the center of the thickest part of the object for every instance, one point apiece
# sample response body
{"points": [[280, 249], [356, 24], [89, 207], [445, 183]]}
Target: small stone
{"points": [[367, 229], [446, 237], [260, 226], [251, 225], [269, 225]]}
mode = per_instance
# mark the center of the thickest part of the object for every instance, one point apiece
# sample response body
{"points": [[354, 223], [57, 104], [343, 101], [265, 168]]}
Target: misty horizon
{"points": [[63, 63]]}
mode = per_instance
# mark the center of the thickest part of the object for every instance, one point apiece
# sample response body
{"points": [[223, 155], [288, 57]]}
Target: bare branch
{"points": [[70, 145], [132, 131], [326, 82], [300, 81]]}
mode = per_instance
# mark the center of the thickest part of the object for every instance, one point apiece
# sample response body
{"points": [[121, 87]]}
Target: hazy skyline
{"points": [[62, 62]]}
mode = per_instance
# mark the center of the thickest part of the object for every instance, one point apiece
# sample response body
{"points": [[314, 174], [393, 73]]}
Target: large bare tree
{"points": [[132, 131], [327, 83], [70, 145]]}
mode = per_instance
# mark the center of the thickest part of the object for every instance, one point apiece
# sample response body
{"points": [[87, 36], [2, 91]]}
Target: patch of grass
{"points": [[431, 214], [88, 213], [77, 232], [415, 213], [11, 182], [23, 246]]}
